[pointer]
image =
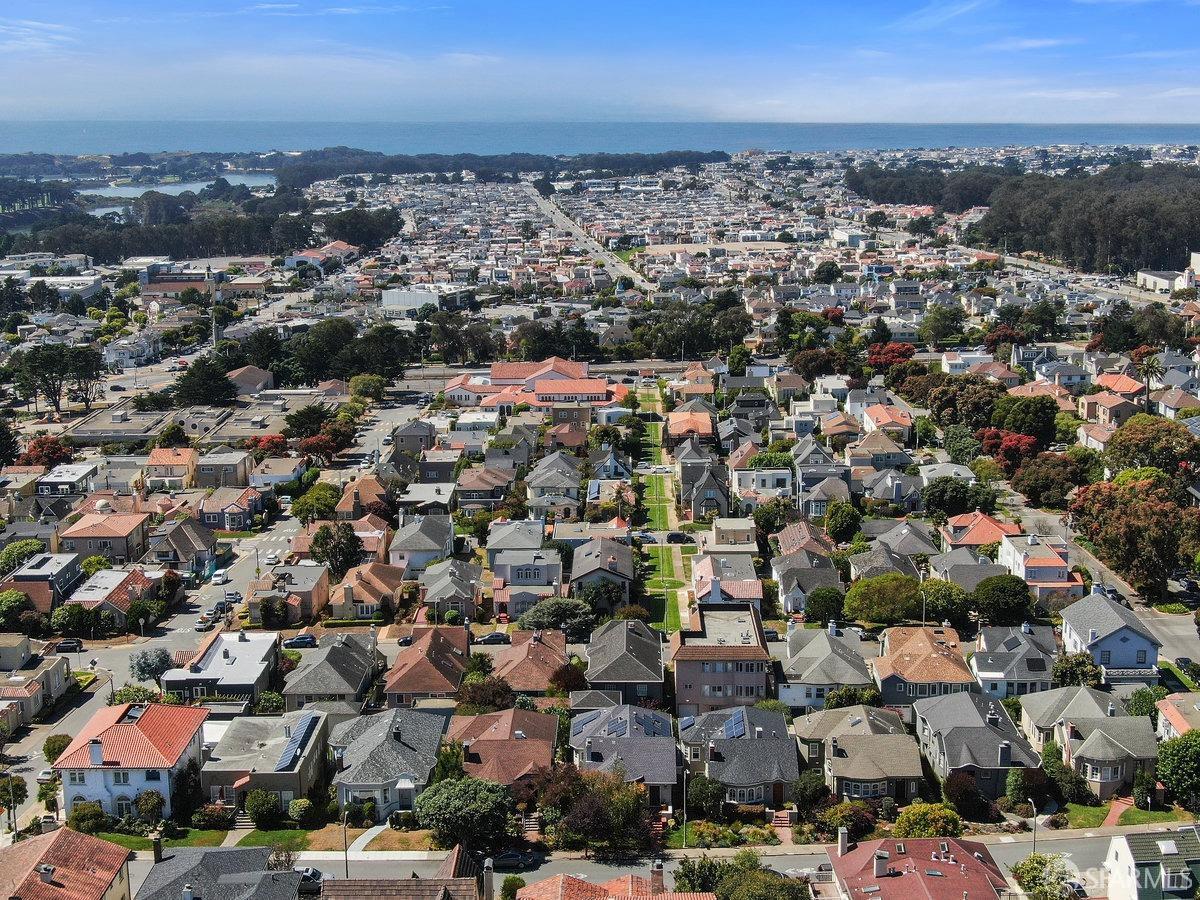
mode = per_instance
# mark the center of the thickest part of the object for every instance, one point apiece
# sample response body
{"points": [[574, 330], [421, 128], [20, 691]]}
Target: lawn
{"points": [[193, 837], [1079, 816], [652, 451], [658, 507], [1135, 816], [289, 838], [661, 589], [1169, 670], [330, 837], [393, 839]]}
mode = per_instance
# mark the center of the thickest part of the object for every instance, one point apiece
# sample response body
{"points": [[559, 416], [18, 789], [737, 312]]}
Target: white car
{"points": [[271, 559], [220, 576]]}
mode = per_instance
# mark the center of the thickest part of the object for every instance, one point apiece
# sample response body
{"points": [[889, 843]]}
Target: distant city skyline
{"points": [[465, 60]]}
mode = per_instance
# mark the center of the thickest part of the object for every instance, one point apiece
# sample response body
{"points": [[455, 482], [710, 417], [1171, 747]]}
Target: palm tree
{"points": [[1149, 368]]}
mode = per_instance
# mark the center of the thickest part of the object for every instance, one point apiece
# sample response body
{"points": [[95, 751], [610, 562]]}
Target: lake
{"points": [[250, 179]]}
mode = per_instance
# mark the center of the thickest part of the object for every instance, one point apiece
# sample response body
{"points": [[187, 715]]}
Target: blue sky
{"points": [[658, 60]]}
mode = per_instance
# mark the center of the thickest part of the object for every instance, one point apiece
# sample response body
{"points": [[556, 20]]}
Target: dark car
{"points": [[494, 637], [116, 387], [69, 645], [1183, 662], [514, 859], [771, 634], [300, 642], [679, 537]]}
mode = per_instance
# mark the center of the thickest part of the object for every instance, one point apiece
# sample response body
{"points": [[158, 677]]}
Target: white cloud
{"points": [[938, 13], [30, 36], [1180, 92], [1074, 94], [1029, 43]]}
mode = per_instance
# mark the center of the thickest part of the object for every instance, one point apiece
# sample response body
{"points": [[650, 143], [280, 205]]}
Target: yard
{"points": [[1169, 671], [287, 838], [1080, 816], [193, 837], [662, 588], [393, 839], [1135, 816], [656, 502], [652, 451]]}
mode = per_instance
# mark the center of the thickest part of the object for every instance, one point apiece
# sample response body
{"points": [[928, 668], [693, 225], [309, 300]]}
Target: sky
{"points": [[654, 60]]}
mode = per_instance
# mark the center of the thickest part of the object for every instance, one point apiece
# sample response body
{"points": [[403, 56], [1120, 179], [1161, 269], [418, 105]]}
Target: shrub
{"points": [[1058, 820], [510, 886], [88, 818], [854, 815], [53, 747], [150, 805], [301, 811], [263, 808], [212, 817]]}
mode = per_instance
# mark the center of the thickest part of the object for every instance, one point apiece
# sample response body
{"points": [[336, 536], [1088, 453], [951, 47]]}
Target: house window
{"points": [[124, 807], [75, 777], [153, 775], [1177, 881], [1105, 657], [120, 778], [1141, 657]]}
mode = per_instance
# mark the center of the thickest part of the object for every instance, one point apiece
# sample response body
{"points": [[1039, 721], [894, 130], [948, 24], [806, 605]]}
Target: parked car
{"points": [[233, 597], [203, 624], [494, 637], [680, 537], [1182, 662], [771, 634], [387, 440], [514, 859], [301, 642], [45, 776], [116, 387], [69, 645], [310, 879], [271, 559], [1075, 889], [220, 576]]}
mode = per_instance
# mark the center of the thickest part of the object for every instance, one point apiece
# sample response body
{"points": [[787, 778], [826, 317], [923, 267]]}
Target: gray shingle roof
{"points": [[1015, 655], [1113, 738], [379, 748], [625, 651], [218, 873], [430, 533], [1045, 708], [338, 667], [739, 763], [1105, 616], [960, 723], [818, 657], [650, 760]]}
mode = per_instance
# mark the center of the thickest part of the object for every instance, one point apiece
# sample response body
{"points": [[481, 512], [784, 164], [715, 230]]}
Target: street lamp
{"points": [[345, 843], [1035, 814], [685, 775], [94, 666]]}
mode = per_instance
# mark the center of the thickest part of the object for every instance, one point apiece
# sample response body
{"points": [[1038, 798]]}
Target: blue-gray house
{"points": [[1114, 636]]}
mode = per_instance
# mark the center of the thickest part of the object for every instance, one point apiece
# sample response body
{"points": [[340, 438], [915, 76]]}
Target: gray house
{"points": [[819, 661], [602, 560], [748, 750], [626, 658], [970, 733], [1114, 636], [521, 534], [282, 755], [1012, 662], [862, 751], [341, 670], [218, 873], [638, 742]]}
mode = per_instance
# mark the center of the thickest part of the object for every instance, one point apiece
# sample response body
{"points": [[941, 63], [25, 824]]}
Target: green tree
{"points": [[1002, 600], [739, 358], [88, 818], [945, 600], [150, 805], [15, 554], [1077, 669], [317, 503], [204, 383], [370, 386], [706, 797], [54, 745], [10, 443], [469, 811], [949, 496], [94, 564], [809, 790], [173, 435], [853, 695], [1042, 876], [961, 445], [926, 820], [1147, 440], [1143, 702], [510, 886], [824, 604], [827, 273], [150, 665], [263, 808], [449, 763], [702, 875], [575, 617], [842, 520], [307, 421], [761, 884], [884, 599], [338, 547], [270, 703], [1179, 767], [73, 620]]}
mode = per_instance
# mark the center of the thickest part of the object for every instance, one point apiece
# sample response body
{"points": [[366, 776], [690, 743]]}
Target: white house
{"points": [[1113, 636], [126, 749]]}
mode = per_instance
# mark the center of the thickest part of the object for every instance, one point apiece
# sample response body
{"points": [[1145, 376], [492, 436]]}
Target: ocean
{"points": [[81, 137]]}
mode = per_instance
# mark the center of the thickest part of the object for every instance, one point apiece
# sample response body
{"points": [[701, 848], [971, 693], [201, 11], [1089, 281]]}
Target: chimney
{"points": [[993, 717], [832, 627], [1092, 635], [791, 626], [657, 882], [1026, 628], [398, 733], [487, 891], [1112, 709], [287, 731], [187, 893], [519, 735], [46, 872], [96, 752], [757, 732], [1033, 540], [1004, 755], [224, 653], [843, 840], [881, 863], [347, 593]]}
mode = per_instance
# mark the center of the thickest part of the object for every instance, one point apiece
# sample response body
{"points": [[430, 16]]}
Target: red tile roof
{"points": [[155, 739], [98, 525], [84, 867], [921, 872]]}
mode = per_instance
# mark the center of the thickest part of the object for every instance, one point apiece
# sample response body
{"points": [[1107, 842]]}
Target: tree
{"points": [[852, 695], [1142, 702], [927, 820], [270, 703], [318, 502], [88, 818], [74, 620], [945, 601], [824, 604], [204, 383], [1002, 600], [961, 792], [1048, 478], [85, 370], [307, 421], [1077, 669], [370, 386], [611, 815], [886, 599], [15, 554], [1008, 448], [483, 695], [267, 445], [810, 789], [1179, 767], [469, 811], [263, 808], [960, 445], [842, 520], [1147, 440], [449, 763], [949, 496], [575, 617], [510, 886], [567, 678], [761, 884], [150, 665], [10, 443], [338, 547], [94, 564], [1032, 416], [54, 745], [854, 815], [739, 358], [135, 693], [706, 797], [883, 356], [173, 435], [1042, 876], [150, 805], [772, 517], [827, 273], [702, 875], [46, 450]]}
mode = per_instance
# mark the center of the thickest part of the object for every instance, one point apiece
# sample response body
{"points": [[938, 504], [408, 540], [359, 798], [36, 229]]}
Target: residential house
{"points": [[528, 664], [519, 534], [420, 541], [506, 747], [878, 451], [112, 591], [721, 658], [277, 470], [65, 865], [368, 592], [301, 591], [1012, 662], [118, 538], [818, 661], [480, 487], [126, 749], [603, 562], [800, 573], [31, 682], [433, 665], [1114, 636], [749, 751], [920, 661], [47, 579], [640, 743], [231, 508], [892, 421], [452, 585], [625, 657], [900, 869], [282, 755], [183, 545], [523, 578], [1178, 714], [341, 670], [438, 466], [171, 468], [363, 496], [1158, 865], [385, 758], [609, 463], [1042, 562], [863, 751], [251, 380], [975, 530], [972, 734], [224, 468], [1043, 712], [706, 496], [230, 664]]}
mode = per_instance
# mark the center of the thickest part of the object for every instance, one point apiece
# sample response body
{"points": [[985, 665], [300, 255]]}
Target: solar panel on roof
{"points": [[686, 722], [584, 721], [1036, 665], [300, 734], [618, 728], [735, 725]]}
